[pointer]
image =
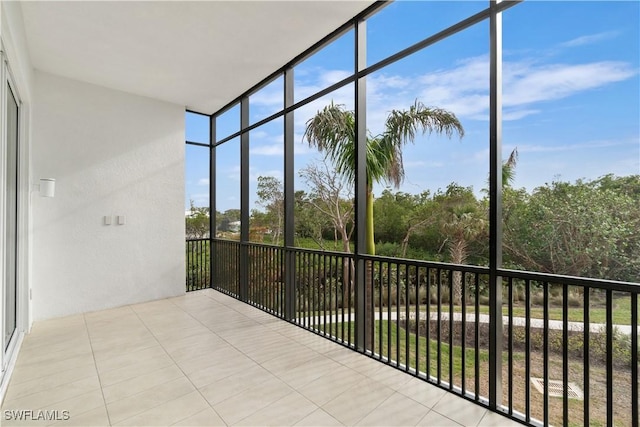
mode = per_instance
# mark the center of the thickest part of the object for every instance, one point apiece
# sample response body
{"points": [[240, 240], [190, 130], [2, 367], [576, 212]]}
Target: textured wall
{"points": [[111, 153]]}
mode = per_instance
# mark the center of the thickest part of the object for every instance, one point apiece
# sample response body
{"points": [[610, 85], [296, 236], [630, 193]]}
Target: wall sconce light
{"points": [[47, 187]]}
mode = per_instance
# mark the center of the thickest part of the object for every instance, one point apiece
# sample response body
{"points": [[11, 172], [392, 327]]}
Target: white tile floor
{"points": [[206, 359]]}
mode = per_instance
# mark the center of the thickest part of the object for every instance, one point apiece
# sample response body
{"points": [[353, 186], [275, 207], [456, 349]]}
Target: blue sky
{"points": [[571, 100]]}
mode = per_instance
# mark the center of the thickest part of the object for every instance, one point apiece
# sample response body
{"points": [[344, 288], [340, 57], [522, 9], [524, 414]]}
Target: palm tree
{"points": [[509, 169], [332, 131]]}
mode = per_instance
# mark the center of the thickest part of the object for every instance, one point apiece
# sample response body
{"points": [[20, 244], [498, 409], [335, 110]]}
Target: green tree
{"points": [[197, 222], [401, 215], [271, 198], [332, 131], [309, 225], [390, 211], [587, 229], [330, 197], [224, 220]]}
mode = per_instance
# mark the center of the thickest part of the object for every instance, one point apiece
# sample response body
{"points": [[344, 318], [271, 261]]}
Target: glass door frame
{"points": [[9, 88]]}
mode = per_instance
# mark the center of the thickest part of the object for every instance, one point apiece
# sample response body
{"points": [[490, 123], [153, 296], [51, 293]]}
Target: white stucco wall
{"points": [[111, 153]]}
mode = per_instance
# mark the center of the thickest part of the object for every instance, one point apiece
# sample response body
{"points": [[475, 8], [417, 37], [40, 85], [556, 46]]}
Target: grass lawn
{"points": [[621, 312]]}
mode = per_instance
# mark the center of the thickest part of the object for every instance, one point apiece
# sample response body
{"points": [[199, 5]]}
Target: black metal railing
{"points": [[574, 339], [266, 278], [580, 338], [325, 293], [226, 274], [198, 264]]}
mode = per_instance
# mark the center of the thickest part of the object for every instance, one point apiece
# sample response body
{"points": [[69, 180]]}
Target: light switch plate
{"points": [[107, 220], [121, 220]]}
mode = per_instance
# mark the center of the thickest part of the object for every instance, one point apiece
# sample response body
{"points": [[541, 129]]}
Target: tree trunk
{"points": [[370, 242], [347, 269], [458, 252], [370, 245]]}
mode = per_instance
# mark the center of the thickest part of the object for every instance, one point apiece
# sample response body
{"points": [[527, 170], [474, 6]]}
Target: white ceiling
{"points": [[199, 54]]}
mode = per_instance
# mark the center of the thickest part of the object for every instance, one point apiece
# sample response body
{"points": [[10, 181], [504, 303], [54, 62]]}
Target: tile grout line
{"points": [[25, 396], [338, 346], [163, 349], [93, 355], [228, 306], [172, 360], [170, 300]]}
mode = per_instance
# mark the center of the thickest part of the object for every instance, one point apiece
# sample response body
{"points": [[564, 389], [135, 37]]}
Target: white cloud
{"points": [[583, 146], [254, 174], [203, 182], [268, 150], [516, 114], [268, 97], [234, 173], [342, 96], [333, 76], [464, 88], [528, 85], [590, 39], [199, 199], [422, 164]]}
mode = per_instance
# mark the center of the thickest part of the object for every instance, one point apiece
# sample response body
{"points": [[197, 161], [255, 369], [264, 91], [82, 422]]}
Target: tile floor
{"points": [[205, 359]]}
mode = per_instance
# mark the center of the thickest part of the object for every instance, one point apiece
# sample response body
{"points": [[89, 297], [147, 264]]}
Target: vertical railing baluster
{"points": [[254, 268], [199, 283], [266, 262], [194, 258], [417, 346], [609, 326], [510, 349], [397, 268], [463, 333], [310, 290], [565, 354], [586, 354], [305, 286], [188, 270], [333, 296], [380, 322], [545, 351], [407, 344], [347, 282], [221, 265], [317, 268], [451, 326], [324, 293], [255, 264], [342, 294], [310, 306], [262, 255], [428, 325], [438, 324], [388, 312], [299, 285], [634, 361], [527, 351]]}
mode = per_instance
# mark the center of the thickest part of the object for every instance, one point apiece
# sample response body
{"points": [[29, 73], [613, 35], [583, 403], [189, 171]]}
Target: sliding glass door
{"points": [[11, 216]]}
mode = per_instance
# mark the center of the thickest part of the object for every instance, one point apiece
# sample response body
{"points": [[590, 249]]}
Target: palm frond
{"points": [[509, 168], [332, 132], [402, 126]]}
